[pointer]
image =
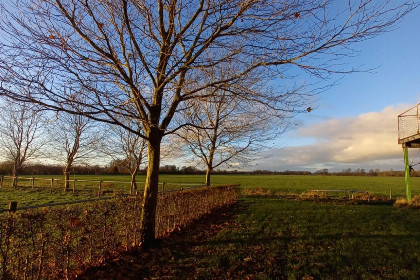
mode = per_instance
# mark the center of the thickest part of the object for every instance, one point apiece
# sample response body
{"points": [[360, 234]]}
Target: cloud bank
{"points": [[366, 141]]}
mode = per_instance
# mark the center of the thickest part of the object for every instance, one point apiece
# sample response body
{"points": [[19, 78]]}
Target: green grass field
{"points": [[42, 193]]}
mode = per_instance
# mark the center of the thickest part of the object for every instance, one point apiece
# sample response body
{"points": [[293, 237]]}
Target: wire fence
{"points": [[80, 190], [60, 242]]}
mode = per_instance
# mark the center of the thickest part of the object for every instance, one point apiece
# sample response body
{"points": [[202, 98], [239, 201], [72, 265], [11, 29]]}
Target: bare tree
{"points": [[143, 60], [20, 134], [77, 140], [228, 129], [133, 148]]}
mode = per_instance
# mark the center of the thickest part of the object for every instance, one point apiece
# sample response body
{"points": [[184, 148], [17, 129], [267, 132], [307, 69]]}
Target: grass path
{"points": [[268, 238]]}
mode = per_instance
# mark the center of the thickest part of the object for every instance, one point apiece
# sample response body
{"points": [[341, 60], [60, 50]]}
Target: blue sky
{"points": [[354, 124]]}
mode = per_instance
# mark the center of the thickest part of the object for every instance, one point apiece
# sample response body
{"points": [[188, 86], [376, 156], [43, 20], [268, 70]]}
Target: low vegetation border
{"points": [[60, 242]]}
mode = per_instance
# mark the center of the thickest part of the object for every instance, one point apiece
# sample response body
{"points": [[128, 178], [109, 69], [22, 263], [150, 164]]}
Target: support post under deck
{"points": [[407, 174]]}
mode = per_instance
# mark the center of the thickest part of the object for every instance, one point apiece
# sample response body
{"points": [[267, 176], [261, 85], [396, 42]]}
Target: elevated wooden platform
{"points": [[411, 141]]}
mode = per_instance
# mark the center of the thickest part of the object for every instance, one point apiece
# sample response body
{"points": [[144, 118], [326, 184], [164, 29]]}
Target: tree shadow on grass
{"points": [[174, 257]]}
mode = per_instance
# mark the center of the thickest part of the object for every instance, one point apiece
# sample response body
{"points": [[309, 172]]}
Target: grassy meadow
{"points": [[119, 184], [265, 237]]}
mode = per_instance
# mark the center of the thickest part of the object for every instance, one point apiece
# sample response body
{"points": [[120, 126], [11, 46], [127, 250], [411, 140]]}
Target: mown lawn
{"points": [[42, 194], [270, 238]]}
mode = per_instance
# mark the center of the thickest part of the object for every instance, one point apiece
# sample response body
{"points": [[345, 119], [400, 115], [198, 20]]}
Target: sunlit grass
{"points": [[119, 184]]}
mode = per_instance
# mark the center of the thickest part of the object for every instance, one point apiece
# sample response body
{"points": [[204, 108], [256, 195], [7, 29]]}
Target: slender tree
{"points": [[77, 140], [143, 60], [228, 129], [20, 134], [131, 146]]}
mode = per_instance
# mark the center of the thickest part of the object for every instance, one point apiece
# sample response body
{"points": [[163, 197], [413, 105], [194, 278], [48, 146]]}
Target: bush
{"points": [[413, 203]]}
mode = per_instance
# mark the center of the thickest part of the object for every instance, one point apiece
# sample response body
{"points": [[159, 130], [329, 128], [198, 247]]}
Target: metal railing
{"points": [[408, 124]]}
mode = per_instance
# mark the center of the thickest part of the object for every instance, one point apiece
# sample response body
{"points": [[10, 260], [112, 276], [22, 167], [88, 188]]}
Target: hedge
{"points": [[61, 242]]}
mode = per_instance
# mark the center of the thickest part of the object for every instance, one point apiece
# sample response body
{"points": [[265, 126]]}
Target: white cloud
{"points": [[366, 141]]}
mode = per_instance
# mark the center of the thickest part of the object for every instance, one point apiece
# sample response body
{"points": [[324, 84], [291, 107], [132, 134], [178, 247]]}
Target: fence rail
{"points": [[87, 190]]}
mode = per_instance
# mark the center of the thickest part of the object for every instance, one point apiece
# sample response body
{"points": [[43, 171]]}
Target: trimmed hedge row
{"points": [[60, 242]]}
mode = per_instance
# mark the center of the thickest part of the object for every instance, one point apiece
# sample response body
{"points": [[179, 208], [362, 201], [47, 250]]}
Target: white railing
{"points": [[408, 123]]}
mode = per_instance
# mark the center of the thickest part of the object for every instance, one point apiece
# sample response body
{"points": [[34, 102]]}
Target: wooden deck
{"points": [[411, 141]]}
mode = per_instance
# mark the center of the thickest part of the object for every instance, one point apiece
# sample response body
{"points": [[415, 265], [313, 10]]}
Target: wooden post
{"points": [[52, 184], [32, 182], [1, 181], [390, 194], [407, 174], [12, 206], [163, 186], [74, 185]]}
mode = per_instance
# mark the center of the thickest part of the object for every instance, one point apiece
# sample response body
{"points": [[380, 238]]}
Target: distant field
{"points": [[42, 193]]}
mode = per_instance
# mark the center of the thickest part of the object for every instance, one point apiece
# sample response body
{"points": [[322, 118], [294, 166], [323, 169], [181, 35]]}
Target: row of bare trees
{"points": [[154, 62]]}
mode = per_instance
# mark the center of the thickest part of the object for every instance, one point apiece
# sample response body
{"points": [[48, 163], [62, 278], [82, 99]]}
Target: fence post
{"points": [[99, 188], [52, 184], [390, 194], [163, 186], [32, 182], [1, 181], [74, 185], [12, 206]]}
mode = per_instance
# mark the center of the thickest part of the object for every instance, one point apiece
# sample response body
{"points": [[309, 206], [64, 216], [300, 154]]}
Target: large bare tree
{"points": [[143, 59], [21, 136]]}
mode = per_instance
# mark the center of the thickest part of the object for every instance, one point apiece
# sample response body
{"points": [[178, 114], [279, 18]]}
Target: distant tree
{"points": [[76, 139], [20, 134], [141, 60], [225, 128], [129, 145]]}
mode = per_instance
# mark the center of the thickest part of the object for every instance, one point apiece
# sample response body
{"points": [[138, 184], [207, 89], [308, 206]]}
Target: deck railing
{"points": [[408, 123]]}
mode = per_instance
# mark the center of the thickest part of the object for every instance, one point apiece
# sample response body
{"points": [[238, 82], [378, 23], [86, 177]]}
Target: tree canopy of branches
{"points": [[20, 134], [227, 128], [116, 59]]}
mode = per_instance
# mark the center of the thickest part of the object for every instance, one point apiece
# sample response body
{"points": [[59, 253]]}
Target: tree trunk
{"points": [[148, 216], [15, 173], [133, 186], [66, 173], [208, 180]]}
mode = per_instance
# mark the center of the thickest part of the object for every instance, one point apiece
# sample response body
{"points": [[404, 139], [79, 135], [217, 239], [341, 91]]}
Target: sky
{"points": [[354, 124]]}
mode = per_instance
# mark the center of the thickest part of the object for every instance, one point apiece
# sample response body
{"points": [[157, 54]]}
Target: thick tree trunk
{"points": [[208, 179], [148, 216]]}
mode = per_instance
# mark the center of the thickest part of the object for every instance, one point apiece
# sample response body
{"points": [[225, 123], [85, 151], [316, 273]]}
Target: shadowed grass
{"points": [[270, 238]]}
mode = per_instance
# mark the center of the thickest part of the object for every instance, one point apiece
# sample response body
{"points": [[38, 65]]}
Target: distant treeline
{"points": [[46, 169]]}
